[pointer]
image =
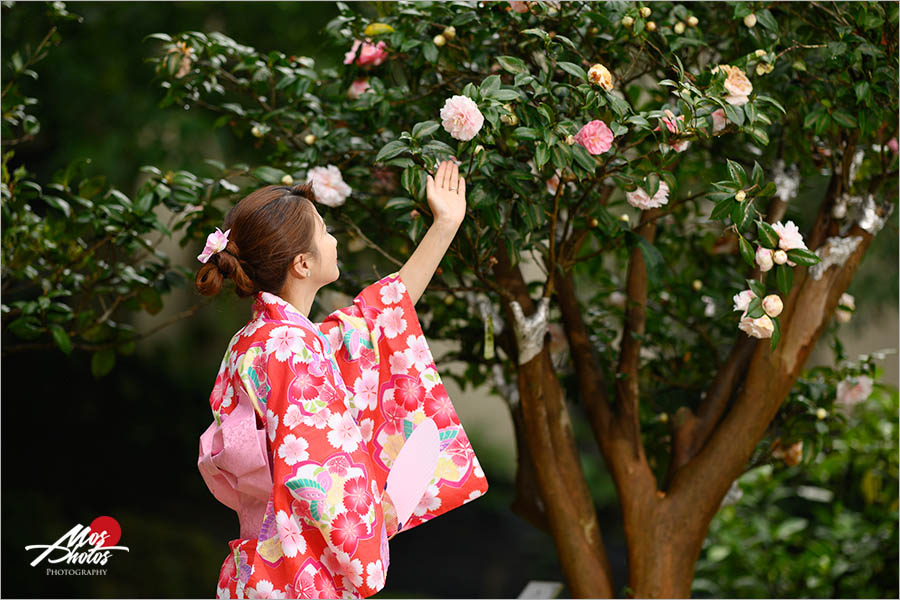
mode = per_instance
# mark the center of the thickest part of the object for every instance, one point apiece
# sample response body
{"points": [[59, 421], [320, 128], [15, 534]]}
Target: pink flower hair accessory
{"points": [[215, 242]]}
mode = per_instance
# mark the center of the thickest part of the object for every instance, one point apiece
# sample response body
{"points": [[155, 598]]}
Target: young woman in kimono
{"points": [[309, 417]]}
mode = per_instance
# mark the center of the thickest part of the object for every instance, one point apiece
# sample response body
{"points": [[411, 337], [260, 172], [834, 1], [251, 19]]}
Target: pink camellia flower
{"points": [[764, 258], [773, 305], [328, 185], [759, 328], [519, 7], [670, 119], [681, 146], [461, 118], [719, 120], [742, 300], [892, 144], [358, 88], [595, 136], [789, 238], [640, 199], [850, 392], [369, 54]]}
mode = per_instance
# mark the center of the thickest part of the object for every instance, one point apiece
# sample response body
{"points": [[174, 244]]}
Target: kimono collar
{"points": [[276, 308]]}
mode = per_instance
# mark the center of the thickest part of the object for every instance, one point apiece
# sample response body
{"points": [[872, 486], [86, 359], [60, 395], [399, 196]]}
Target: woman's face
{"points": [[326, 268]]}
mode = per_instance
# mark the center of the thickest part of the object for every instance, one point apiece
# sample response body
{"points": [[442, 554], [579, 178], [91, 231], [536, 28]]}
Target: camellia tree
{"points": [[662, 164]]}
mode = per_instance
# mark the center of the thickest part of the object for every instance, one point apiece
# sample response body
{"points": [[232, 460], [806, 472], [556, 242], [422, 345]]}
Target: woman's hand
{"points": [[446, 193]]}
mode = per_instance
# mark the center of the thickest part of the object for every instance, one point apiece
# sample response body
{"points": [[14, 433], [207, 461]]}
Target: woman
{"points": [[309, 417]]}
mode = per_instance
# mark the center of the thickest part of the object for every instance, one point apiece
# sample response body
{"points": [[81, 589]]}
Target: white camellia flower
{"points": [[758, 328], [764, 258]]}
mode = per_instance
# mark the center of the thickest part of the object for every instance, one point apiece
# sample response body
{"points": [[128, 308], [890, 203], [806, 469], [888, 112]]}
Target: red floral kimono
{"points": [[308, 418]]}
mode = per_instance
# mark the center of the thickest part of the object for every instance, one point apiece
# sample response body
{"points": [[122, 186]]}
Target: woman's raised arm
{"points": [[446, 193]]}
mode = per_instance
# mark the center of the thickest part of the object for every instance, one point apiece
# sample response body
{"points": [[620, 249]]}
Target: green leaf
{"points": [[747, 251], [784, 275], [723, 208], [390, 150], [756, 286], [269, 175], [573, 69], [102, 362], [803, 257], [735, 114], [430, 52], [737, 173], [422, 129], [583, 157], [59, 204], [844, 119], [776, 333], [490, 83], [61, 338], [773, 102], [504, 95], [526, 133], [512, 64], [767, 20], [759, 135], [541, 154], [767, 235], [755, 309], [26, 328], [756, 177]]}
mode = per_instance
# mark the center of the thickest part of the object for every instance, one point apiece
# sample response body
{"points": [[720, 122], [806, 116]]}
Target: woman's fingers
{"points": [[445, 183], [429, 186], [461, 190], [454, 178], [439, 176]]}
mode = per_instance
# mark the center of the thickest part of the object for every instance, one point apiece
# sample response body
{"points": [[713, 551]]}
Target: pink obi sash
{"points": [[235, 465]]}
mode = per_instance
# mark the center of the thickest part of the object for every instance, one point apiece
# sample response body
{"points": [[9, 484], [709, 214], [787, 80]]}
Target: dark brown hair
{"points": [[269, 227]]}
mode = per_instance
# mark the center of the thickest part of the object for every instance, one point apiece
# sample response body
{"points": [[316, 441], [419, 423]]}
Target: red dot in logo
{"points": [[110, 526]]}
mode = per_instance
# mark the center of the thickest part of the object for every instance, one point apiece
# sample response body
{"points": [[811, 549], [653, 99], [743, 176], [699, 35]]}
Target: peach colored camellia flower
{"points": [[736, 84], [759, 328], [328, 185], [595, 136], [742, 300], [519, 7], [461, 118], [789, 236], [369, 54], [764, 258], [358, 88], [600, 75], [640, 199]]}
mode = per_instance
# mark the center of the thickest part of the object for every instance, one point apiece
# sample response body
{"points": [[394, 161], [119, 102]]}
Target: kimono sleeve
{"points": [[326, 532], [392, 381]]}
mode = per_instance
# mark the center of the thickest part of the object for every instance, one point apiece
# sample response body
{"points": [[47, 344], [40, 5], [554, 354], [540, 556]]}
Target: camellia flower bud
{"points": [[697, 285], [693, 21], [780, 257], [287, 180], [594, 222], [570, 139], [678, 28], [750, 20], [439, 40], [821, 413], [450, 32], [772, 305], [764, 258], [740, 195], [627, 21], [449, 299], [760, 52], [624, 217], [256, 131], [479, 148], [650, 26], [645, 11]]}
